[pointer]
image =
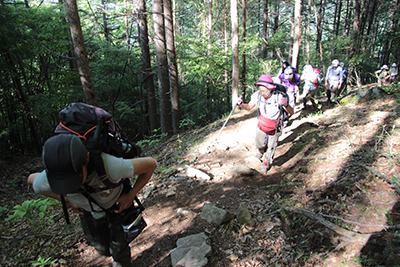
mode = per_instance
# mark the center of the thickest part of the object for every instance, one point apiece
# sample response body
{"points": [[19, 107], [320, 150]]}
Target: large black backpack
{"points": [[98, 130]]}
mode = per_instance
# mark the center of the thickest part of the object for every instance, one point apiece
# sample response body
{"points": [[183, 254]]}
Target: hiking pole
{"points": [[227, 120]]}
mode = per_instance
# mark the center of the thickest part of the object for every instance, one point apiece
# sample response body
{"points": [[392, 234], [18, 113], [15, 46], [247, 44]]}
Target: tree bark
{"points": [[18, 85], [226, 72], [80, 50], [339, 14], [318, 21], [355, 44], [276, 23], [348, 18], [394, 10], [105, 24], [146, 59], [235, 52], [265, 31], [296, 33], [162, 68], [172, 65], [308, 32], [208, 75], [243, 80]]}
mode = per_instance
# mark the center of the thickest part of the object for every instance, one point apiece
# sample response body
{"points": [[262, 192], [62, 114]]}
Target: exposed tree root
{"points": [[346, 236], [386, 178]]}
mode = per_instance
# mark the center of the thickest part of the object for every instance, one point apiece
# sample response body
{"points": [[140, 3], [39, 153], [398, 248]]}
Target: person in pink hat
{"points": [[269, 103]]}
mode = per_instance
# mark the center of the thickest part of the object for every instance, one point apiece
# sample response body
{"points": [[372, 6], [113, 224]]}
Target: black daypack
{"points": [[281, 89]]}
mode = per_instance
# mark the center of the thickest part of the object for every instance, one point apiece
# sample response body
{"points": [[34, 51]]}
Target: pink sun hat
{"points": [[266, 80]]}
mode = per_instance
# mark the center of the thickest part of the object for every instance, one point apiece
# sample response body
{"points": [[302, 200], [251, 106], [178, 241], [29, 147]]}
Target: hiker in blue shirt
{"points": [[333, 81], [68, 169]]}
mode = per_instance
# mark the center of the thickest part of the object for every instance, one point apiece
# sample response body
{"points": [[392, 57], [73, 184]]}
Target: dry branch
{"points": [[346, 235], [386, 178]]}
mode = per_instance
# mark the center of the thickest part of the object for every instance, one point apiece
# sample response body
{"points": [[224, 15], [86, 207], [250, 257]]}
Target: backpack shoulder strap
{"points": [[64, 206], [98, 164]]}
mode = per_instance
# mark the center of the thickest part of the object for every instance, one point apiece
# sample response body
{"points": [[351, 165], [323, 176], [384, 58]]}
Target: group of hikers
{"points": [[385, 75], [70, 168], [272, 104]]}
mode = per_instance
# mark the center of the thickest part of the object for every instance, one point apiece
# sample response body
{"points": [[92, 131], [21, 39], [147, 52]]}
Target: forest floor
{"points": [[330, 198]]}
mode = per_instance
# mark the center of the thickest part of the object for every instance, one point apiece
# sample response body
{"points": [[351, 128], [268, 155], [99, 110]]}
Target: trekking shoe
{"points": [[266, 166]]}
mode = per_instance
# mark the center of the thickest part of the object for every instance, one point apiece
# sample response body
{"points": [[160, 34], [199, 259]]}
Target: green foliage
{"points": [[3, 211], [186, 124], [393, 88], [11, 183], [41, 262], [29, 209], [388, 216], [153, 140]]}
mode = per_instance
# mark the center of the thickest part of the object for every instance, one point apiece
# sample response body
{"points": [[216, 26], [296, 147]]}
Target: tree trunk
{"points": [[335, 15], [394, 10], [339, 14], [162, 67], [243, 80], [264, 31], [355, 45], [208, 76], [296, 33], [308, 32], [348, 18], [147, 72], [226, 72], [127, 27], [105, 24], [18, 85], [235, 52], [172, 65], [371, 15], [276, 23], [318, 21], [80, 50]]}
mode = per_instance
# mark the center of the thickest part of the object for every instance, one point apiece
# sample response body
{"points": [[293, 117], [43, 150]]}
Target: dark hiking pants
{"points": [[107, 237], [332, 91]]}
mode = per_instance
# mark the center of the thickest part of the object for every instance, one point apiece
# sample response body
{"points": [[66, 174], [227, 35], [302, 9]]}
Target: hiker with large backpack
{"points": [[96, 185], [272, 104]]}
